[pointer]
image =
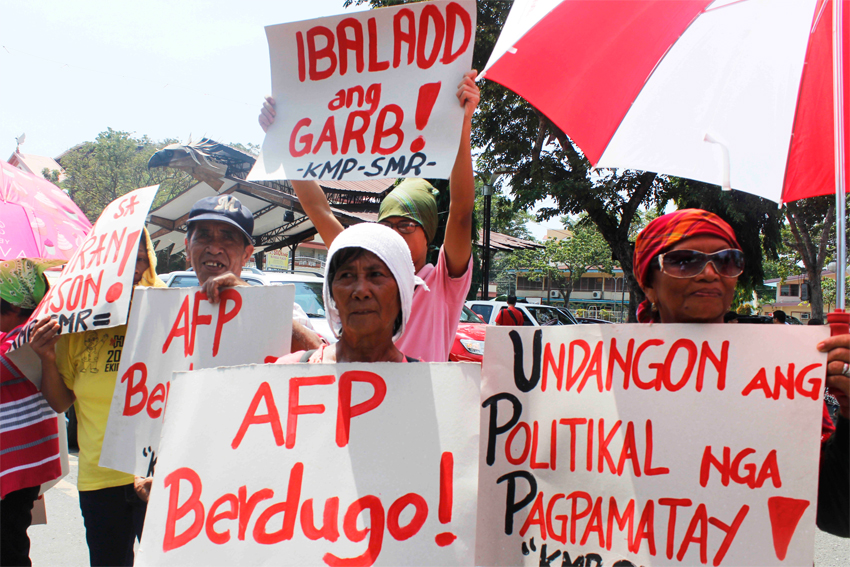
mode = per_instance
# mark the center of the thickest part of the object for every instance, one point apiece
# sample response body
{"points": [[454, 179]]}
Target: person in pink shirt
{"points": [[411, 210]]}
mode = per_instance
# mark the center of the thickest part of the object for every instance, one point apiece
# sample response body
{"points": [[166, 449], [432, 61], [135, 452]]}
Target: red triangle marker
{"points": [[785, 514]]}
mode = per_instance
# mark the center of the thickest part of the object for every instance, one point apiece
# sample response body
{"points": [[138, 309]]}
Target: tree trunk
{"points": [[624, 254], [813, 254], [815, 294]]}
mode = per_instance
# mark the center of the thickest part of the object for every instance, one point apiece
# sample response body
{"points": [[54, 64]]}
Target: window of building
{"points": [[790, 290], [590, 284], [524, 283]]}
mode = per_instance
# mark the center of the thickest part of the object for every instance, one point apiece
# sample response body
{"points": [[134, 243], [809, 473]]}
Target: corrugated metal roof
{"points": [[501, 242], [366, 186]]}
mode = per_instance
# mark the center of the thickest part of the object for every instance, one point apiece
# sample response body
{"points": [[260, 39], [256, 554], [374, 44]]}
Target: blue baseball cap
{"points": [[224, 208]]}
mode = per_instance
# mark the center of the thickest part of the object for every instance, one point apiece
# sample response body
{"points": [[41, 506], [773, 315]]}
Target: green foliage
{"points": [[565, 261], [504, 217], [830, 288], [114, 164]]}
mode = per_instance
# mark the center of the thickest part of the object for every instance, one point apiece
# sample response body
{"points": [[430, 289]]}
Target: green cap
{"points": [[413, 199], [22, 281]]}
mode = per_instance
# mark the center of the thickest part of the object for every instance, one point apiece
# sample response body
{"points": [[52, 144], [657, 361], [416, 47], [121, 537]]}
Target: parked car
{"points": [[468, 345], [591, 321], [308, 292], [534, 315], [758, 319]]}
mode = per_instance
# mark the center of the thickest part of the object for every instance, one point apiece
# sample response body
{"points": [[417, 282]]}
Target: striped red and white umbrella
{"points": [[728, 92], [745, 94]]}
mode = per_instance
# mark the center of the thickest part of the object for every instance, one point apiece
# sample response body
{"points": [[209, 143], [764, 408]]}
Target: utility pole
{"points": [[487, 191]]}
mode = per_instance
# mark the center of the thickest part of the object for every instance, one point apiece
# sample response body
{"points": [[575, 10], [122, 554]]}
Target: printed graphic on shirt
{"points": [[94, 348], [113, 356]]}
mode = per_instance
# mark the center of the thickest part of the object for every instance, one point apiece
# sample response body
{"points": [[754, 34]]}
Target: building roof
{"points": [[34, 164], [375, 186], [502, 242], [797, 278]]}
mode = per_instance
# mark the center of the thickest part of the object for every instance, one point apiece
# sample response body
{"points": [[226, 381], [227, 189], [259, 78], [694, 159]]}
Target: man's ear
{"points": [[188, 256], [249, 251]]}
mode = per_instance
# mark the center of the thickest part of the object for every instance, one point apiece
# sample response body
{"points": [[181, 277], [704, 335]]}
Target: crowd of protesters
{"points": [[384, 303]]}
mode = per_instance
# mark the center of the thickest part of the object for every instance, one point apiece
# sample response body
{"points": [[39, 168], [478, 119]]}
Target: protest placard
{"points": [[178, 329], [369, 94], [95, 287], [650, 445], [310, 464]]}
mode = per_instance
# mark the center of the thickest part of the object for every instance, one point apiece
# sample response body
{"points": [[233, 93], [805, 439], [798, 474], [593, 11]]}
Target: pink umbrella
{"points": [[37, 219], [735, 93]]}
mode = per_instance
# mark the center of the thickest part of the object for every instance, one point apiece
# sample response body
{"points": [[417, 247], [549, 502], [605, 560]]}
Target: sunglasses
{"points": [[402, 226], [689, 263]]}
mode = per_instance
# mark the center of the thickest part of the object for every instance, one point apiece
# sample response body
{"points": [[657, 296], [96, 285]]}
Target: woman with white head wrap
{"points": [[369, 284]]}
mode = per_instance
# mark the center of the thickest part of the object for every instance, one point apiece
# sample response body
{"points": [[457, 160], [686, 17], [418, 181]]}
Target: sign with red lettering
{"points": [[95, 287], [177, 329], [311, 464], [369, 94], [650, 445]]}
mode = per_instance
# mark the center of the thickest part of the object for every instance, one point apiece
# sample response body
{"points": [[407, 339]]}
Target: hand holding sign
{"points": [[665, 444], [179, 329], [365, 93], [342, 465]]}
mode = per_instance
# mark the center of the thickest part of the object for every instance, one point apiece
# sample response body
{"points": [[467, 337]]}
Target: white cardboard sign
{"points": [[650, 445], [311, 464], [95, 287], [178, 329], [368, 94]]}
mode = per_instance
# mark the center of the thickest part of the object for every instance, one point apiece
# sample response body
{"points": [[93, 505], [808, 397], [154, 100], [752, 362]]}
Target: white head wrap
{"points": [[391, 248]]}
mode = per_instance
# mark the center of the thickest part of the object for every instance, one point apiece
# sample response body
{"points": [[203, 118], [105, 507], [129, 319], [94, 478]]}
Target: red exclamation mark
{"points": [[114, 292], [427, 97], [447, 465]]}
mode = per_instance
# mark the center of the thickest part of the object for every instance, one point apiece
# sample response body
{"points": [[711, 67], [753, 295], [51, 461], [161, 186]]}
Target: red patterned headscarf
{"points": [[665, 232]]}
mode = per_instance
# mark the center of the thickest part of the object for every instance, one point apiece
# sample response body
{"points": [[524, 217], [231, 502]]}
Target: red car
{"points": [[468, 345]]}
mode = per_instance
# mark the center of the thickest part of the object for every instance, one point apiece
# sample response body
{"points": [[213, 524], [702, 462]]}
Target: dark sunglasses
{"points": [[689, 263], [402, 226]]}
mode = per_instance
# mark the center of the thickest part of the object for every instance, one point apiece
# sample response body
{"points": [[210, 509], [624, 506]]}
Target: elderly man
{"points": [[219, 243]]}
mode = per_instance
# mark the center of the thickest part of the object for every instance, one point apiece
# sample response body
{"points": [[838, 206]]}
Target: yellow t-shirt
{"points": [[88, 363]]}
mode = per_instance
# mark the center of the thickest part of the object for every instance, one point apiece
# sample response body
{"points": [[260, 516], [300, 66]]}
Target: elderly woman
{"points": [[369, 283], [687, 263]]}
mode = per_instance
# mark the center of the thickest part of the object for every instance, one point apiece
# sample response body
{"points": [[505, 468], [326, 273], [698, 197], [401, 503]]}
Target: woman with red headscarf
{"points": [[687, 263]]}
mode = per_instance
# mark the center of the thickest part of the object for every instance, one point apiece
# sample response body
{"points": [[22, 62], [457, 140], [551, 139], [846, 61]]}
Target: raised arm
{"points": [[315, 204], [458, 241], [53, 388], [309, 192]]}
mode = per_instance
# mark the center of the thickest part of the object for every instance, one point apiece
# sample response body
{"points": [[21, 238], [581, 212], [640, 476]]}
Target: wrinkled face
{"points": [[416, 241], [704, 298], [217, 248], [366, 295], [142, 261]]}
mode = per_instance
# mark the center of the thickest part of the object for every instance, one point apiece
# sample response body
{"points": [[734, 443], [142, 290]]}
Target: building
{"points": [[792, 295], [35, 164]]}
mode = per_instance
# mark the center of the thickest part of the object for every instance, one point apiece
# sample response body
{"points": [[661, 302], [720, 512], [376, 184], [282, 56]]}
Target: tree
{"points": [[505, 218], [99, 172], [812, 223], [829, 288], [564, 261]]}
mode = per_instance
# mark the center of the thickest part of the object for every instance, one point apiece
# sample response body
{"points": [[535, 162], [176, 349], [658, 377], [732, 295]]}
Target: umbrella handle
{"points": [[725, 183], [839, 322]]}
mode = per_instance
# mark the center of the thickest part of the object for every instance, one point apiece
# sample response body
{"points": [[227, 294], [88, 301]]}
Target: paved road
{"points": [[62, 542]]}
